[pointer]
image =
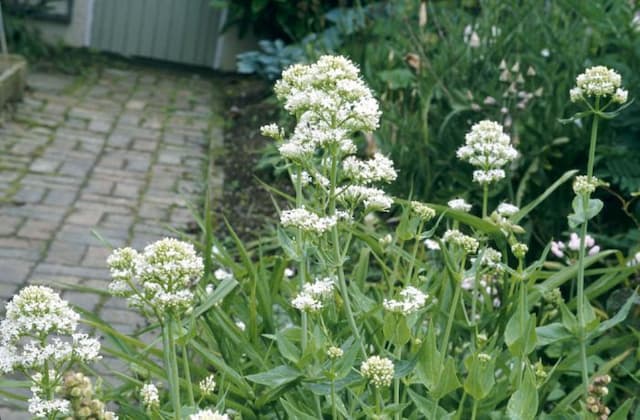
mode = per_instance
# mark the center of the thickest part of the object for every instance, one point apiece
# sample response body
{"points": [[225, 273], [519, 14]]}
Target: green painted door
{"points": [[182, 31]]}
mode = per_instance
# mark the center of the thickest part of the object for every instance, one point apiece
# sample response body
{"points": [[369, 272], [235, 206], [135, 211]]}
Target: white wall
{"points": [[77, 33]]}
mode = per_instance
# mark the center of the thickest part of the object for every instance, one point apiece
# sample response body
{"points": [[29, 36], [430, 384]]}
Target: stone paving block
{"points": [[138, 163], [29, 194], [96, 256], [123, 317], [6, 293], [13, 414], [9, 224], [37, 229], [60, 197], [117, 220], [99, 186], [82, 273], [85, 217], [37, 211], [14, 271], [82, 235], [119, 140], [127, 190], [21, 249], [63, 251], [75, 168], [44, 165], [87, 301]]}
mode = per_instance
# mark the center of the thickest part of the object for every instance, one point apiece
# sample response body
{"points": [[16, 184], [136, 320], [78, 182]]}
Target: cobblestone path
{"points": [[119, 153]]}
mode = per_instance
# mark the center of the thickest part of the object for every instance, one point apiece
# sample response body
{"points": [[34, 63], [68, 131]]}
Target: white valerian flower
{"points": [[411, 300], [467, 243], [459, 204], [272, 130], [507, 210], [519, 249], [379, 370], [598, 81], [373, 198], [545, 52], [207, 385], [149, 396], [222, 274], [486, 286], [632, 261], [311, 298], [307, 221], [306, 303], [161, 276], [470, 36], [582, 184], [491, 259], [386, 240], [425, 212], [432, 245], [620, 96], [488, 148], [241, 325], [330, 87], [289, 272], [208, 415], [378, 169], [334, 352]]}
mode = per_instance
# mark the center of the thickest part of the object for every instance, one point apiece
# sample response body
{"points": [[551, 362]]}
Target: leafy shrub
{"points": [[465, 61], [340, 315]]}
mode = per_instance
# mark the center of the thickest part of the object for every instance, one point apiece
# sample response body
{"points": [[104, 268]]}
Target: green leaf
{"points": [[523, 404], [219, 293], [395, 329], [287, 349], [622, 412], [276, 377], [551, 333], [481, 377], [580, 215], [529, 207], [620, 316], [448, 381], [520, 340], [569, 320], [288, 246], [589, 316], [295, 413], [425, 406]]}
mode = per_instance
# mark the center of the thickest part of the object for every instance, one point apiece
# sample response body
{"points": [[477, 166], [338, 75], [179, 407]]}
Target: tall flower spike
{"points": [[488, 148]]}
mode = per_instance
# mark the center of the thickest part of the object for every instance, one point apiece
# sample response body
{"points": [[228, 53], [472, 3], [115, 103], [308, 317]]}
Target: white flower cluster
{"points": [[207, 385], [160, 277], [507, 209], [208, 415], [378, 169], [425, 212], [486, 286], [599, 81], [149, 396], [32, 335], [459, 204], [373, 198], [572, 247], [39, 334], [331, 87], [313, 295], [307, 221], [467, 243], [585, 185], [491, 259], [379, 370], [487, 147], [334, 352], [634, 261], [411, 300]]}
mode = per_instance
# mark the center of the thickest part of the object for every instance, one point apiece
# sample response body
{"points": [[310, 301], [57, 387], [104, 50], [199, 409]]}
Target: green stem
{"points": [[485, 200], [396, 384], [522, 308], [452, 312], [581, 256], [187, 374], [475, 410], [334, 409], [171, 365]]}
